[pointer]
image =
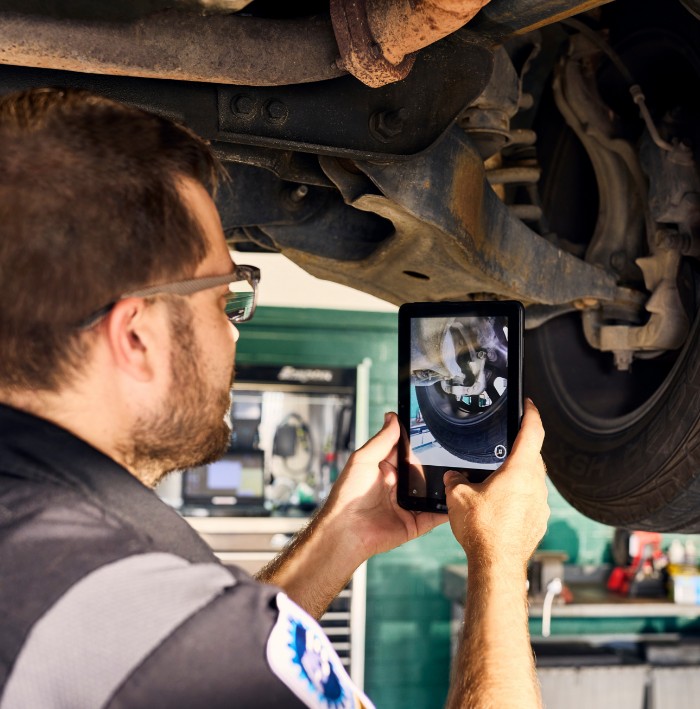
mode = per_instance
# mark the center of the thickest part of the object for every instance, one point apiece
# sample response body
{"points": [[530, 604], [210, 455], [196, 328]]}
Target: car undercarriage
{"points": [[455, 150]]}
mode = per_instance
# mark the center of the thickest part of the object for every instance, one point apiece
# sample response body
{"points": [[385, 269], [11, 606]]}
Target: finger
{"points": [[452, 479], [528, 442], [382, 445], [389, 472]]}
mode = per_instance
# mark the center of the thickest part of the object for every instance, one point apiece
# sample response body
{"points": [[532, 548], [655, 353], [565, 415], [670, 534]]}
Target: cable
{"points": [[632, 86]]}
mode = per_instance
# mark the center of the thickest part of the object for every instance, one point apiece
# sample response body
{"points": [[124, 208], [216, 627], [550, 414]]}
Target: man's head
{"points": [[90, 208], [118, 301]]}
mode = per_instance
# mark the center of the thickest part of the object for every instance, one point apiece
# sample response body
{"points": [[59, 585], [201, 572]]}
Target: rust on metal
{"points": [[378, 38], [176, 45], [466, 199], [360, 53], [401, 27]]}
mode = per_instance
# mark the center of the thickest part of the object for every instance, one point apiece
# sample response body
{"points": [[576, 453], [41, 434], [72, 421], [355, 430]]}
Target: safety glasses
{"points": [[240, 301]]}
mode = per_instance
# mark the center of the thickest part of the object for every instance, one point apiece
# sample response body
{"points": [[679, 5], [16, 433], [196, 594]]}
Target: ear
{"points": [[132, 338]]}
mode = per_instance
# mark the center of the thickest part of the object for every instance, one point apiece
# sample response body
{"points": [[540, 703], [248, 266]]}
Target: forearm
{"points": [[495, 668], [315, 566]]}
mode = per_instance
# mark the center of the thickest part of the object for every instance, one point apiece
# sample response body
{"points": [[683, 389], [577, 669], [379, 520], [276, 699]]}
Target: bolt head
{"points": [[243, 105], [276, 111]]}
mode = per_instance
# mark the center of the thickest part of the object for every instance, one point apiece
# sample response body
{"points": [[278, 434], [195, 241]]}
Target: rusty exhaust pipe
{"points": [[377, 38], [176, 45], [402, 27]]}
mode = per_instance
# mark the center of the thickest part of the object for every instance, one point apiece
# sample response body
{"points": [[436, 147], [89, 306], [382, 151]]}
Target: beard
{"points": [[192, 426]]}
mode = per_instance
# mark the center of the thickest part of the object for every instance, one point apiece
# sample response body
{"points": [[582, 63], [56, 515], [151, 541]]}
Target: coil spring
{"points": [[516, 167]]}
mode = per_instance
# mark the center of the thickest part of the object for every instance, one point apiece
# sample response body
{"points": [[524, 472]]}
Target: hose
{"points": [[554, 588]]}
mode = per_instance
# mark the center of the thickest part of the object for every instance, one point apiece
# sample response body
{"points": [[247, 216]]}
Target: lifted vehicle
{"points": [[441, 150]]}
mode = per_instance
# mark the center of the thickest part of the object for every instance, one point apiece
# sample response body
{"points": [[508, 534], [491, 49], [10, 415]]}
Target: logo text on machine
{"points": [[292, 374]]}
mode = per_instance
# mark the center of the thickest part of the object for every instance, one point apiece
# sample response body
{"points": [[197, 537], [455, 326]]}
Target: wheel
{"points": [[462, 427], [621, 447]]}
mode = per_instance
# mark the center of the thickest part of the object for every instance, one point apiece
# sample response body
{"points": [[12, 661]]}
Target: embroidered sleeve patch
{"points": [[301, 655]]}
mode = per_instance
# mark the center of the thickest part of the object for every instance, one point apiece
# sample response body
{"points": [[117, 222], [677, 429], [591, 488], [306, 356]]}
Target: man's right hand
{"points": [[499, 523], [502, 520]]}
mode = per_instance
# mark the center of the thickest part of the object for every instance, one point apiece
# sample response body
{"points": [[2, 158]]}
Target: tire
{"points": [[640, 470], [470, 436], [622, 447]]}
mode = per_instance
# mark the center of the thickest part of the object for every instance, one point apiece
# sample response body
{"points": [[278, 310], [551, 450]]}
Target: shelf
{"points": [[590, 601]]}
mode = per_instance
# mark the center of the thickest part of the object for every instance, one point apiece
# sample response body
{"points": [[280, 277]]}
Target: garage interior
{"points": [[560, 170]]}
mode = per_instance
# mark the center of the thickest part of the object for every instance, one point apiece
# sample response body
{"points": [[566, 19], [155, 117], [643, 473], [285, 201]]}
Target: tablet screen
{"points": [[460, 393]]}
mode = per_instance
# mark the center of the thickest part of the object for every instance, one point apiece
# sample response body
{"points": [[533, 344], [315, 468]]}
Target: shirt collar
{"points": [[36, 449]]}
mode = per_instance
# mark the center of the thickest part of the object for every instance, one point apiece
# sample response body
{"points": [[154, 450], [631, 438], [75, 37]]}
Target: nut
{"points": [[387, 125], [276, 111]]}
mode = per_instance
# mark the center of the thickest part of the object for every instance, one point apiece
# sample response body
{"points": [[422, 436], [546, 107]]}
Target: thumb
{"points": [[528, 442], [452, 479], [381, 445]]}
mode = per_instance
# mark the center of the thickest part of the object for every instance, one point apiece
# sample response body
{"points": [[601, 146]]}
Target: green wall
{"points": [[408, 619]]}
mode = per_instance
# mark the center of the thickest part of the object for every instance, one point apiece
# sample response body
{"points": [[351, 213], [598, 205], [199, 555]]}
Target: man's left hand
{"points": [[363, 499]]}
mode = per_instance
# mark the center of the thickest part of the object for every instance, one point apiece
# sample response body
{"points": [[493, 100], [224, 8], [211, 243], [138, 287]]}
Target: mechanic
{"points": [[108, 597]]}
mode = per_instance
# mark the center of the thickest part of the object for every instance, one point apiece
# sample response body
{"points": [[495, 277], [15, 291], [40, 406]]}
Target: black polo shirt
{"points": [[109, 599]]}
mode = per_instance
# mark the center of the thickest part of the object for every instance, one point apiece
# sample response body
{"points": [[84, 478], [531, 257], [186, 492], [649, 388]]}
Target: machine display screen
{"points": [[236, 475]]}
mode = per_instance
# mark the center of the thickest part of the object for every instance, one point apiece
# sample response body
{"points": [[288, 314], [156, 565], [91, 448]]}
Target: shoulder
{"points": [[251, 644], [301, 655]]}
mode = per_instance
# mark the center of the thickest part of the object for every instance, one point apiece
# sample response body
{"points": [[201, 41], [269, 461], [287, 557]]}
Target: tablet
{"points": [[460, 394]]}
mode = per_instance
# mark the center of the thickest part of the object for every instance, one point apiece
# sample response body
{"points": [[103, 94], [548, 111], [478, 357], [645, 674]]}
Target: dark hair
{"points": [[89, 209]]}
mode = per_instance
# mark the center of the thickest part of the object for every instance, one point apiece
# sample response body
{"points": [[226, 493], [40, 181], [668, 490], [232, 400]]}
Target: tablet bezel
{"points": [[514, 311]]}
